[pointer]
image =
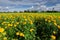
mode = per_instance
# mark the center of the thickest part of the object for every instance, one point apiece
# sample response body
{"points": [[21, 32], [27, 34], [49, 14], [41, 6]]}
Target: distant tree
{"points": [[25, 11], [15, 11]]}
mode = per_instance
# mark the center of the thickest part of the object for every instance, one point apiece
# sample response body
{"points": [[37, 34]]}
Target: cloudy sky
{"points": [[20, 5]]}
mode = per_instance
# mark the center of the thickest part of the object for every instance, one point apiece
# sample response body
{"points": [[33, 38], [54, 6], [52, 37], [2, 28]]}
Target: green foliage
{"points": [[44, 29], [29, 27]]}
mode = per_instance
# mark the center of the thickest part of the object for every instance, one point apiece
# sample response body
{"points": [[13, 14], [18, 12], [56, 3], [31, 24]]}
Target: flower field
{"points": [[31, 26]]}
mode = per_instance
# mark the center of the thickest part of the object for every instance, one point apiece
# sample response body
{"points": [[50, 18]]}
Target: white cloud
{"points": [[7, 7], [35, 4]]}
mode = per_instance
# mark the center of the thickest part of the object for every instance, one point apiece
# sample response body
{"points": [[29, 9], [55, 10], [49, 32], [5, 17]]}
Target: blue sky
{"points": [[20, 5]]}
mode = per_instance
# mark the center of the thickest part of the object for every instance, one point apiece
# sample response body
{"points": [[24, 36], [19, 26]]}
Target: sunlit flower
{"points": [[21, 34], [58, 26], [5, 38], [46, 19], [31, 22], [54, 20], [54, 32], [17, 22], [17, 33], [10, 25], [49, 20], [24, 16], [25, 19], [1, 29], [53, 37], [55, 23], [3, 23], [4, 33], [15, 25], [24, 22], [31, 30]]}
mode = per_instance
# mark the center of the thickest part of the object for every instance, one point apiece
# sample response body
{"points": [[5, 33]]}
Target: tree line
{"points": [[27, 11]]}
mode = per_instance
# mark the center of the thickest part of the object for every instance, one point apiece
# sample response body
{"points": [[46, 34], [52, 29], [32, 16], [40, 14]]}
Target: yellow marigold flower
{"points": [[31, 22], [45, 19], [28, 19], [55, 23], [17, 22], [24, 22], [53, 37], [10, 25], [12, 22], [15, 25], [25, 19], [54, 32], [24, 16], [4, 33], [3, 23], [58, 26], [59, 17], [49, 20], [31, 30], [1, 29], [17, 33], [5, 18], [21, 34], [5, 38], [54, 20]]}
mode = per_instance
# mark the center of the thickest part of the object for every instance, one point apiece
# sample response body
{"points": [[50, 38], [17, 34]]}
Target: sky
{"points": [[21, 5]]}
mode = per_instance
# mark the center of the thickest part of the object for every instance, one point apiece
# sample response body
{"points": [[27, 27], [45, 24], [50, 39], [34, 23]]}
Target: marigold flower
{"points": [[21, 34], [54, 20], [15, 25], [5, 38], [49, 20], [31, 22], [4, 33], [24, 16], [3, 23], [55, 23], [10, 25], [45, 19], [53, 37], [58, 26], [17, 22], [24, 22], [54, 32], [25, 19], [1, 29], [17, 33], [59, 17], [5, 18], [31, 30]]}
